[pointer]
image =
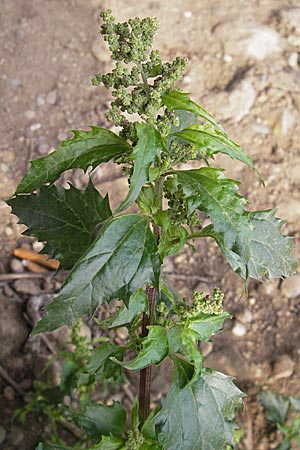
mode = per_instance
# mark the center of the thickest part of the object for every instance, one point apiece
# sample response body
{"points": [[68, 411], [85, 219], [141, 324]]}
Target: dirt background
{"points": [[245, 69]]}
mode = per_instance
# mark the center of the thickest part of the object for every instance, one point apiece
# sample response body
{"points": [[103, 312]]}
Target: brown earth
{"points": [[245, 69]]}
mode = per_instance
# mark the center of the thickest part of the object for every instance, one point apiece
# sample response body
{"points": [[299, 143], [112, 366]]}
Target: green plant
{"points": [[120, 255], [277, 409]]}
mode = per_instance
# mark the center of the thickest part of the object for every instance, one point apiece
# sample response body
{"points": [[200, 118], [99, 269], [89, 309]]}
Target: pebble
{"points": [[100, 51], [239, 329], [290, 287], [38, 246], [245, 316], [227, 58], [263, 42], [16, 266], [40, 100], [239, 102], [30, 114], [35, 126], [62, 136], [285, 123], [52, 97], [122, 333], [43, 148], [2, 434], [9, 393], [14, 83], [283, 367], [293, 60], [187, 14], [17, 436], [27, 286]]}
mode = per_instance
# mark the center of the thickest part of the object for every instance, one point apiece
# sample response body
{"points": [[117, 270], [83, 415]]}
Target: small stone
{"points": [[16, 266], [9, 393], [239, 329], [187, 14], [2, 434], [293, 60], [35, 126], [27, 286], [62, 136], [283, 367], [17, 436], [285, 123], [239, 102], [30, 114], [14, 83], [38, 246], [227, 58], [245, 316], [40, 100], [43, 148], [99, 51], [290, 288], [263, 42], [122, 333], [52, 97]]}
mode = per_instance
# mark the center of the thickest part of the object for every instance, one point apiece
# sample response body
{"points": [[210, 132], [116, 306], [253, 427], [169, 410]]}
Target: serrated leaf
{"points": [[269, 252], [145, 153], [154, 349], [66, 218], [121, 260], [138, 303], [210, 141], [98, 420], [276, 406], [198, 414], [180, 100], [84, 149], [206, 325]]}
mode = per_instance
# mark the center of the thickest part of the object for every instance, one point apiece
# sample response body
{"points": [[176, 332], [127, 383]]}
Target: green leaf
{"points": [[206, 325], [98, 420], [198, 414], [66, 218], [251, 241], [145, 153], [295, 402], [210, 141], [154, 349], [138, 303], [84, 149], [276, 406], [102, 354], [121, 260], [269, 253], [180, 100], [43, 446], [110, 443]]}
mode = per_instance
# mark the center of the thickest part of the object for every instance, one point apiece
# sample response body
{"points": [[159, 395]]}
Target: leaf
{"points": [[66, 218], [180, 100], [138, 303], [206, 325], [251, 241], [145, 153], [269, 252], [276, 406], [43, 446], [295, 402], [210, 141], [154, 349], [198, 414], [84, 149], [101, 355], [121, 260], [98, 420], [110, 443]]}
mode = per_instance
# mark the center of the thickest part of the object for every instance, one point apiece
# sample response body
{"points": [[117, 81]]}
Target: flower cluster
{"points": [[202, 303]]}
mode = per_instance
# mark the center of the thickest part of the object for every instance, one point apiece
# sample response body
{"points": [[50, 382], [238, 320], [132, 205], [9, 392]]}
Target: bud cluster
{"points": [[202, 303]]}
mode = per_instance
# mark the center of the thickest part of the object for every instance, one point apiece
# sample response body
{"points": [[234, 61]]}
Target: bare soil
{"points": [[245, 69]]}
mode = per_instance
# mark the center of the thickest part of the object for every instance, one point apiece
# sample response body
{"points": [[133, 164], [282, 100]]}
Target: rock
{"points": [[85, 331], [30, 114], [293, 60], [2, 434], [27, 286], [17, 436], [239, 102], [9, 393], [245, 316], [283, 367], [16, 266], [37, 246], [13, 83], [249, 40], [100, 51], [239, 329], [43, 148], [122, 333], [35, 126], [52, 97], [40, 100], [290, 287], [285, 123]]}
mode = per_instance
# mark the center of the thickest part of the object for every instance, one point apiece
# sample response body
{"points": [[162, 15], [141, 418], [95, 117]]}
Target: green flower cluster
{"points": [[139, 87], [135, 440], [202, 303]]}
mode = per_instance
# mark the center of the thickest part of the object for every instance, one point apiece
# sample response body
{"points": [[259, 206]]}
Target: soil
{"points": [[245, 69]]}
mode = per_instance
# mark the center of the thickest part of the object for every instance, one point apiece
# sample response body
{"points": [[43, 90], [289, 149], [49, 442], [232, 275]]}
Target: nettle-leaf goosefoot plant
{"points": [[119, 255]]}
